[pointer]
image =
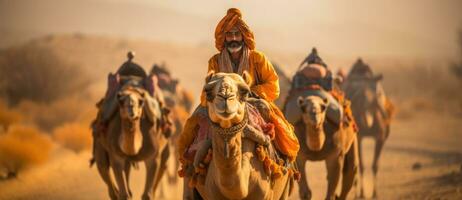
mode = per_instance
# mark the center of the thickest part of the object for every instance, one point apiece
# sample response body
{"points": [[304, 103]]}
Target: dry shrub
{"points": [[74, 136], [8, 116], [34, 72], [22, 147], [50, 115], [423, 87]]}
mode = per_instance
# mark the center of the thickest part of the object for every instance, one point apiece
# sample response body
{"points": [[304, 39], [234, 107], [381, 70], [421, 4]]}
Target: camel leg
{"points": [[350, 169], [303, 187], [187, 192], [375, 164], [102, 163], [162, 168], [334, 163], [118, 167], [361, 168], [127, 177], [151, 168], [173, 178]]}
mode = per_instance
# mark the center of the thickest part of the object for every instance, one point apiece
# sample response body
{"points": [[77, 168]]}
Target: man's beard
{"points": [[234, 46]]}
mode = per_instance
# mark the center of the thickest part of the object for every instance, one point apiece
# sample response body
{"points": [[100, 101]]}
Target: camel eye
{"points": [[231, 98]]}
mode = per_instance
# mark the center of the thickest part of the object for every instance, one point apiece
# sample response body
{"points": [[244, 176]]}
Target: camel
{"points": [[179, 100], [132, 135], [235, 171], [323, 140], [368, 106]]}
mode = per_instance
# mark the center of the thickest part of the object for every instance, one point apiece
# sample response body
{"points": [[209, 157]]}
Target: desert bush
{"points": [[35, 73], [22, 147], [47, 116], [74, 136], [8, 116]]}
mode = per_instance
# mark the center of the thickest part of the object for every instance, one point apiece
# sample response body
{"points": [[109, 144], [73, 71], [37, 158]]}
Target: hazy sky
{"points": [[386, 28]]}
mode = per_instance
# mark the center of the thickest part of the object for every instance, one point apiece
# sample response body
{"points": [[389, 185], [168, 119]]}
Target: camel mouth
{"points": [[226, 115]]}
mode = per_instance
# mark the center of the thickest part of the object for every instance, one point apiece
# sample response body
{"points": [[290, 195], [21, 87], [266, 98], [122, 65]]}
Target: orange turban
{"points": [[233, 18]]}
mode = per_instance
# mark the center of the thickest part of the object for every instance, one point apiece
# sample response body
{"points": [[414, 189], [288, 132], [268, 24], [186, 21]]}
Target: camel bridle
{"points": [[228, 133]]}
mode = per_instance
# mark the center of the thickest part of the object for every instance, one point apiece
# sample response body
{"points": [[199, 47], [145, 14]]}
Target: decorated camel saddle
{"points": [[130, 75]]}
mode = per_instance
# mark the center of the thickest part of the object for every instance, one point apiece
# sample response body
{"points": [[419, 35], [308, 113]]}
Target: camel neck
{"points": [[130, 126], [315, 137], [130, 138], [233, 171], [313, 130]]}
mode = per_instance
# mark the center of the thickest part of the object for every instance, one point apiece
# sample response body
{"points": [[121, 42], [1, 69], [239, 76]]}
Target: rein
{"points": [[228, 133]]}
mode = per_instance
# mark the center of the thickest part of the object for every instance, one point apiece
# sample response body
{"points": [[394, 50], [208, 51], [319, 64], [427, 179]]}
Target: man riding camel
{"points": [[130, 73], [361, 71], [236, 45], [314, 74]]}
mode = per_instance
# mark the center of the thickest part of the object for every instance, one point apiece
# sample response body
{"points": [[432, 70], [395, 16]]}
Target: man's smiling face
{"points": [[233, 40]]}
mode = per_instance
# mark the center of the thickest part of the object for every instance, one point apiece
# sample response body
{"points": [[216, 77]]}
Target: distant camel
{"points": [[180, 101], [132, 136], [368, 103], [324, 140]]}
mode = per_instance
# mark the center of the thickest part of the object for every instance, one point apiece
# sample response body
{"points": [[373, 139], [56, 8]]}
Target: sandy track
{"points": [[415, 140]]}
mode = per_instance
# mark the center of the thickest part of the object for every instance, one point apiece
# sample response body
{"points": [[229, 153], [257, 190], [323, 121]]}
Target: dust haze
{"points": [[55, 57]]}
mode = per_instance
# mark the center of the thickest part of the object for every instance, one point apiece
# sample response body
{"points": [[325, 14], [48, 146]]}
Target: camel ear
{"points": [[208, 89], [247, 78], [301, 103], [209, 76]]}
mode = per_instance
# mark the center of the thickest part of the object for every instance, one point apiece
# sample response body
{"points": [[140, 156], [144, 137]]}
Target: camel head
{"points": [[131, 103], [226, 95], [313, 115]]}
